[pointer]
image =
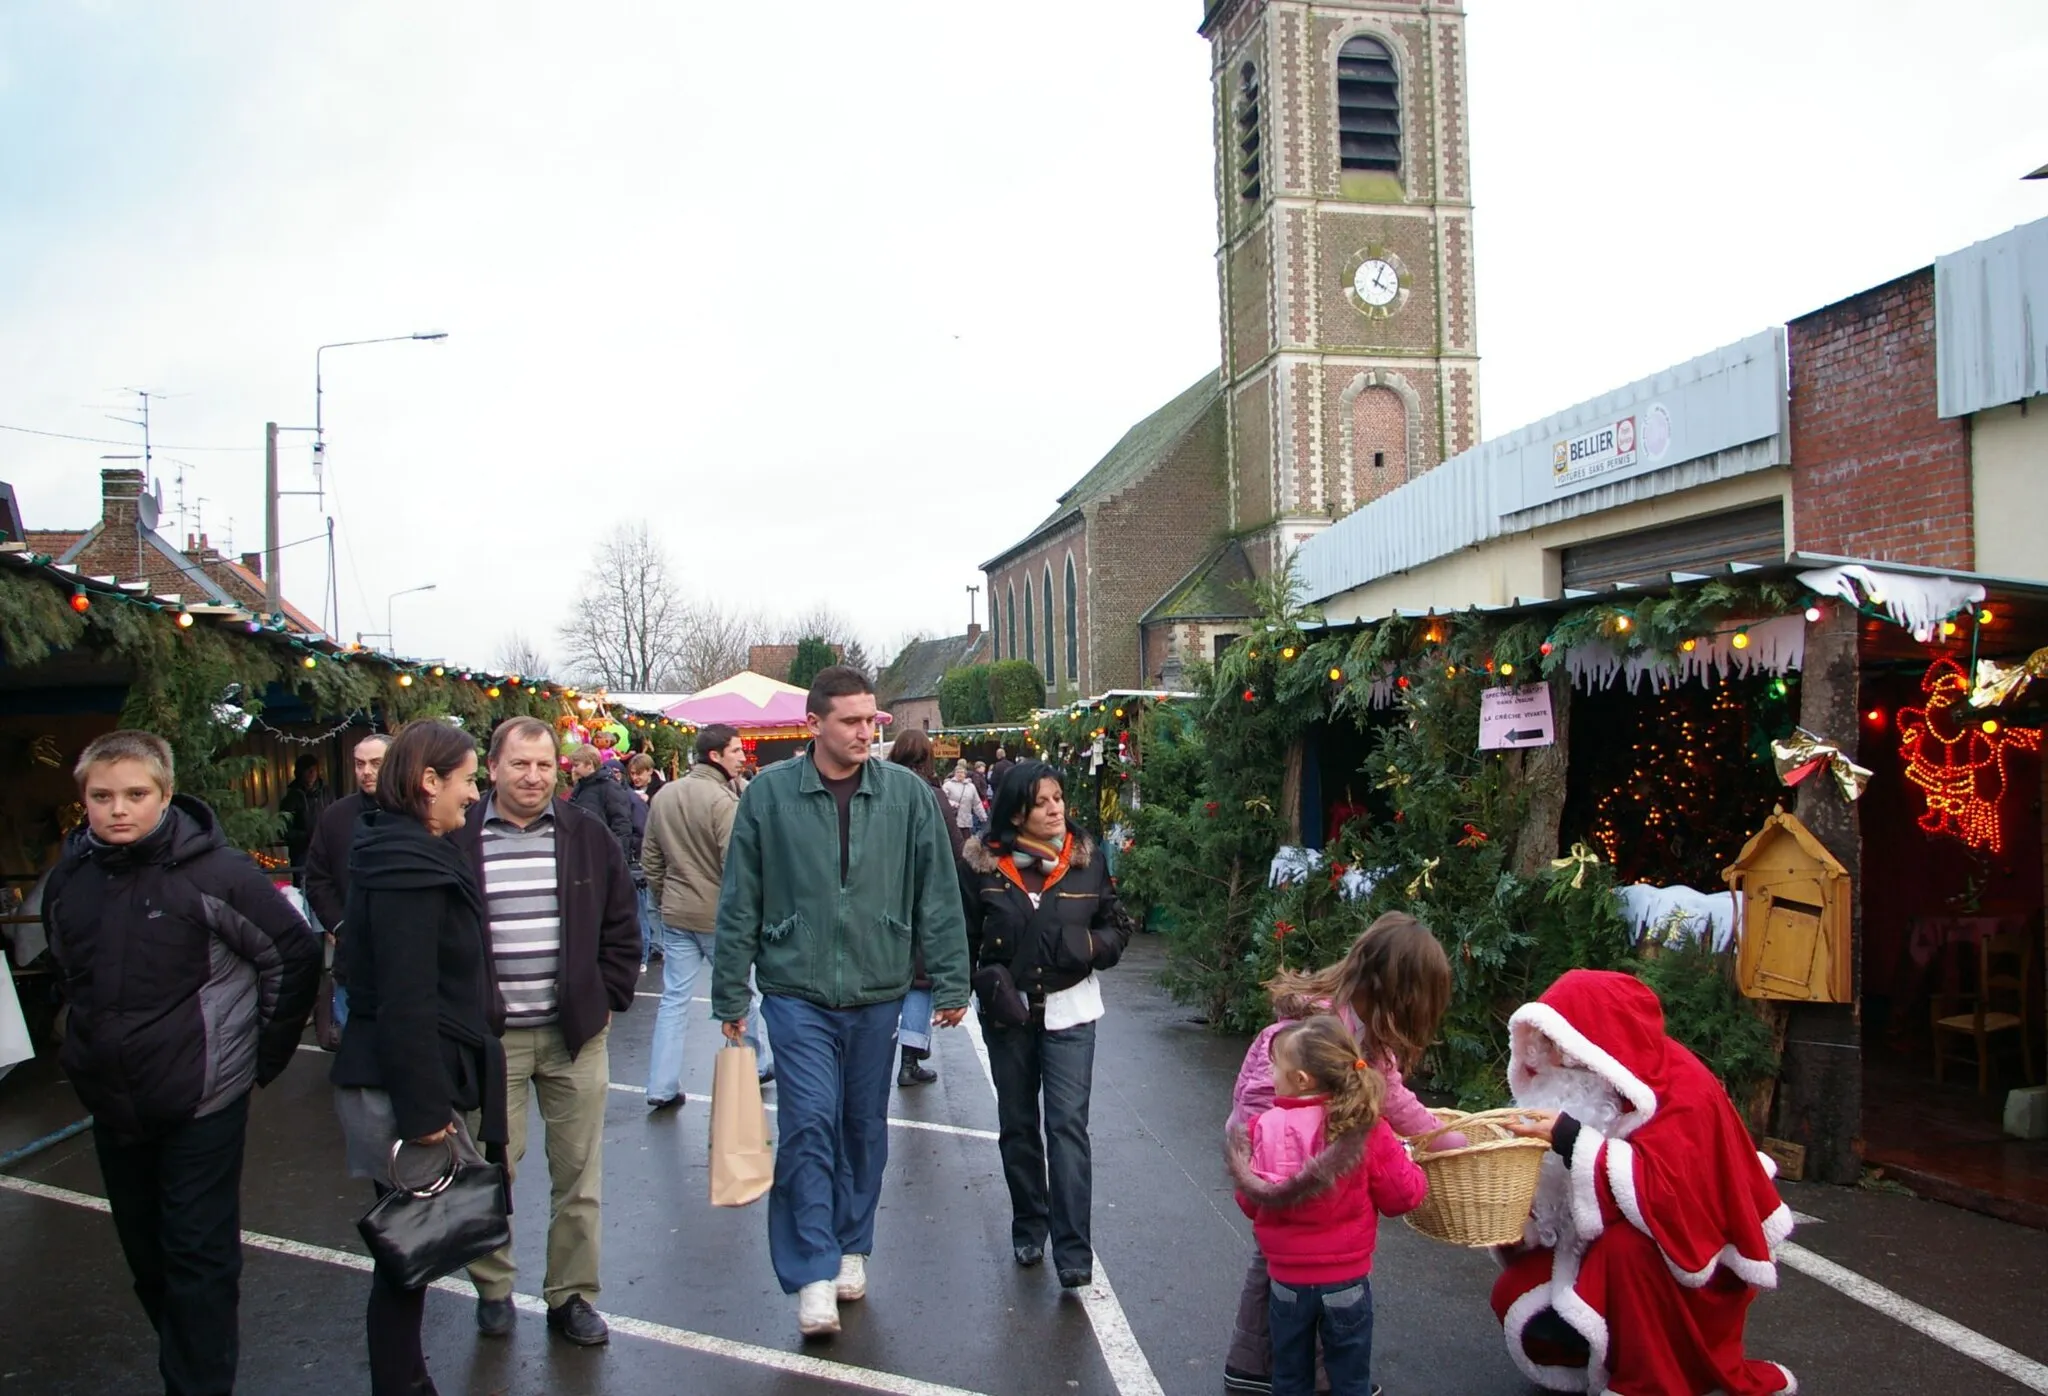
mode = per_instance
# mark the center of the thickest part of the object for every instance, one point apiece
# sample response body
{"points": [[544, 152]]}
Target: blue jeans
{"points": [[914, 1028], [684, 956], [832, 1082], [1050, 1173], [650, 924], [1342, 1314]]}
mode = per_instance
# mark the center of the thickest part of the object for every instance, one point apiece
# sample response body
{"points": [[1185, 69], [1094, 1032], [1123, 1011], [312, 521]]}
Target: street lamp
{"points": [[273, 584], [389, 638], [319, 435]]}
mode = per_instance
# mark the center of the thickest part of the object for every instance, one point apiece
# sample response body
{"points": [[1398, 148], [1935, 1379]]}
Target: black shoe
{"points": [[1076, 1279], [766, 1077], [1028, 1256], [657, 1103], [915, 1073], [1236, 1379], [495, 1317], [579, 1323]]}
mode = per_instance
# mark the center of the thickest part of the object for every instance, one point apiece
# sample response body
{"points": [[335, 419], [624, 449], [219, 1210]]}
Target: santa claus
{"points": [[1656, 1221]]}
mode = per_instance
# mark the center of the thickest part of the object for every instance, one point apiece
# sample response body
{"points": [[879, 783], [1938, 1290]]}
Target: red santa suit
{"points": [[1672, 1219]]}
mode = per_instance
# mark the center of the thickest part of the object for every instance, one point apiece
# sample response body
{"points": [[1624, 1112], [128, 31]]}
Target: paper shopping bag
{"points": [[742, 1161]]}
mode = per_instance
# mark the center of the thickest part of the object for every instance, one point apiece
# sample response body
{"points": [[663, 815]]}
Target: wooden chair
{"points": [[1998, 1004]]}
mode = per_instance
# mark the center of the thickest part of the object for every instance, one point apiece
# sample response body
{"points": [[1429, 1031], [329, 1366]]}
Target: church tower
{"points": [[1350, 359]]}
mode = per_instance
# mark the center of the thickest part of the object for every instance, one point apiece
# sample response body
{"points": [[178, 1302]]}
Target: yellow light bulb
{"points": [[1984, 617], [1507, 671], [310, 662], [405, 680], [1287, 652], [1690, 645], [1622, 622], [1741, 640], [1948, 627], [1990, 726]]}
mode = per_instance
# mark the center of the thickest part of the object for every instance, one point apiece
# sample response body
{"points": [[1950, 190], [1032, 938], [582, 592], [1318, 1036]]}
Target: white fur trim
{"points": [[1770, 1165], [1583, 1171], [1564, 1297], [1791, 1386], [1553, 1025], [1516, 1321], [1763, 1274]]}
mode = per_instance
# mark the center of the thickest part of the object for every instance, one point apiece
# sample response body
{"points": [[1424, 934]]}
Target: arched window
{"points": [[995, 625], [1379, 444], [1368, 107], [1010, 610], [1249, 184], [1052, 667], [1073, 625], [1030, 640]]}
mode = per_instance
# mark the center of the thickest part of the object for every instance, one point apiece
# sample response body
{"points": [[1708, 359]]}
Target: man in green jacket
{"points": [[837, 875]]}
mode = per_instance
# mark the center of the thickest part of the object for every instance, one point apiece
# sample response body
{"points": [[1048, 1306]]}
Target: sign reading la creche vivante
{"points": [[1510, 718]]}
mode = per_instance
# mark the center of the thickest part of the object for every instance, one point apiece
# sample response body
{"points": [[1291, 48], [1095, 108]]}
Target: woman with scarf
{"points": [[1042, 918], [421, 1048]]}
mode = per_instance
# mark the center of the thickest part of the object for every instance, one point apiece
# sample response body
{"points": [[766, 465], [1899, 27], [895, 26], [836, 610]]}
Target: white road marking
{"points": [[866, 1378], [1128, 1366], [961, 1130], [1946, 1331]]}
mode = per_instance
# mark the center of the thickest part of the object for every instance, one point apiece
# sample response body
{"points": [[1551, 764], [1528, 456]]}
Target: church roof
{"points": [[1130, 460], [915, 673], [1214, 590]]}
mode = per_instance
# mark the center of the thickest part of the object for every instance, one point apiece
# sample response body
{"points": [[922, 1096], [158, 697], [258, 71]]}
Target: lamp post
{"points": [[273, 585], [390, 638]]}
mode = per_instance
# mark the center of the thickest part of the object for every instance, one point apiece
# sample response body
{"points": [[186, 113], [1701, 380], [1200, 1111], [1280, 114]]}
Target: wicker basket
{"points": [[1479, 1195]]}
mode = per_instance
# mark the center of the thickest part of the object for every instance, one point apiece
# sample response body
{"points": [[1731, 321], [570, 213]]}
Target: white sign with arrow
{"points": [[1510, 718]]}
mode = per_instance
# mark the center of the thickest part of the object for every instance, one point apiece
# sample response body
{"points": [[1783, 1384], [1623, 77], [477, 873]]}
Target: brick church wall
{"points": [[1875, 472]]}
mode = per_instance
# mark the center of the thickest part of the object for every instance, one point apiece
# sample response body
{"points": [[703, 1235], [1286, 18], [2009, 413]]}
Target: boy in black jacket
{"points": [[166, 1034]]}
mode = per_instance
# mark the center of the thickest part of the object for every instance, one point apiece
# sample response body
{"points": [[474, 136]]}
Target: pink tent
{"points": [[751, 702]]}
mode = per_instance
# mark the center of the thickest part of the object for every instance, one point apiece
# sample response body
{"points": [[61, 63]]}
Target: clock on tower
{"points": [[1350, 357]]}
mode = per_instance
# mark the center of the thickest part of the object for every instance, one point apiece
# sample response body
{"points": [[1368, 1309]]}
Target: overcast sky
{"points": [[840, 304]]}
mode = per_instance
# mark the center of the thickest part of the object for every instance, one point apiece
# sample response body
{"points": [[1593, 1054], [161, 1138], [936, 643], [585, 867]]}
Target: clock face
{"points": [[1376, 282]]}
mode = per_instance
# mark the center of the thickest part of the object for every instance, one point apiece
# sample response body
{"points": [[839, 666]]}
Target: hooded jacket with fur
{"points": [[1077, 927], [1315, 1204]]}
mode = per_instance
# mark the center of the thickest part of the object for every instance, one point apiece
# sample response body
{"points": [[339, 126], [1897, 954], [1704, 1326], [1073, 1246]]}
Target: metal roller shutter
{"points": [[1755, 534]]}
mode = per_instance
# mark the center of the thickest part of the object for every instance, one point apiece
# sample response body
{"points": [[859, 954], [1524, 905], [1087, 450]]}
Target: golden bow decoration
{"points": [[2003, 683], [1583, 856], [1259, 803], [1801, 754], [1396, 777], [1672, 928], [44, 751], [1422, 879]]}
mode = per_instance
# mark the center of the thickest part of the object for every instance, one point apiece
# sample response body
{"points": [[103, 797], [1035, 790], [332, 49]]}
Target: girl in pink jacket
{"points": [[1390, 991], [1315, 1173]]}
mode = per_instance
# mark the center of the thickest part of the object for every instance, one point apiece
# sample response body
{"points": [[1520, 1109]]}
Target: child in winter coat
{"points": [[1315, 1173], [1389, 991]]}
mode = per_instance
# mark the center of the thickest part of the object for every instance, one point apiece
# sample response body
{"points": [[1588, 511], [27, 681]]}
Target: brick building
{"points": [[126, 546], [1349, 350], [1879, 473], [908, 690]]}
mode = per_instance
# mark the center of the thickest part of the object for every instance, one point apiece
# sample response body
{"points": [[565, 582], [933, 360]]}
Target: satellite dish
{"points": [[150, 507]]}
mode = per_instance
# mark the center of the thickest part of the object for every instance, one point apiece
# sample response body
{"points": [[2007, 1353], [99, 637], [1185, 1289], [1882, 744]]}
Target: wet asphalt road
{"points": [[946, 1307]]}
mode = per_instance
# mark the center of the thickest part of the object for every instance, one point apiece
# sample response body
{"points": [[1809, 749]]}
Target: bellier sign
{"points": [[1597, 452]]}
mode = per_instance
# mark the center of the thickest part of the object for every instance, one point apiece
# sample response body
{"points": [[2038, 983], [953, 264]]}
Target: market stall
{"points": [[768, 713]]}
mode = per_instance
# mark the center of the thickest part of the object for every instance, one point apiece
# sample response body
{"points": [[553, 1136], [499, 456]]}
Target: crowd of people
{"points": [[847, 908]]}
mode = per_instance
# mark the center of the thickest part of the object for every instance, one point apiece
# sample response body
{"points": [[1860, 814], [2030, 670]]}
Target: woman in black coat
{"points": [[1041, 920], [420, 1050]]}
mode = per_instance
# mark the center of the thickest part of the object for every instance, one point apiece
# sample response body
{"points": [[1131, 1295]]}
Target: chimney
{"points": [[254, 562], [120, 489], [973, 632]]}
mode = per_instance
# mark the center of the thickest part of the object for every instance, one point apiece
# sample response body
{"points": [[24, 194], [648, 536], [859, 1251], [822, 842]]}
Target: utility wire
{"points": [[111, 441]]}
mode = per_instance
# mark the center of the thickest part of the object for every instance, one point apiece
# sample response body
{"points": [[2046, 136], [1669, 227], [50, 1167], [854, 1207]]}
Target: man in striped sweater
{"points": [[565, 955]]}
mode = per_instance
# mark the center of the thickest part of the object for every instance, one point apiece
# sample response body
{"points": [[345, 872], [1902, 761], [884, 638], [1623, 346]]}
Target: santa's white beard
{"points": [[1587, 1098]]}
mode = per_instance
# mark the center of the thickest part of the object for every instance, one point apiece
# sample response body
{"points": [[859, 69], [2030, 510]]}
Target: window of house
{"points": [[1030, 640], [1052, 667], [1010, 610], [1249, 183], [1073, 625], [995, 627], [1368, 106]]}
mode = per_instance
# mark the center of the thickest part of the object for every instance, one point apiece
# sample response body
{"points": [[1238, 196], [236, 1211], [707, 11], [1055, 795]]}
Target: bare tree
{"points": [[519, 655], [628, 626], [713, 644]]}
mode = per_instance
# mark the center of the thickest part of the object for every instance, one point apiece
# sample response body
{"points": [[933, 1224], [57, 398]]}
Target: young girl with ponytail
{"points": [[1315, 1173]]}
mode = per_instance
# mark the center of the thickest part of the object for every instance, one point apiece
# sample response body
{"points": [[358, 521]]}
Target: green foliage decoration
{"points": [[1706, 1011]]}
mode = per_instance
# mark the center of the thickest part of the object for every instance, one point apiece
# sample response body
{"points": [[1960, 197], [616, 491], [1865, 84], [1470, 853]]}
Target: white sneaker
{"points": [[817, 1309], [853, 1277]]}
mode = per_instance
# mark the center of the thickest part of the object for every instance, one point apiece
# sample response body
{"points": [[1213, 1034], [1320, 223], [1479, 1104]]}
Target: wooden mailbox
{"points": [[1794, 900]]}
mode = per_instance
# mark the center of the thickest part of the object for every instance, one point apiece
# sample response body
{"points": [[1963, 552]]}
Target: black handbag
{"points": [[1000, 998], [417, 1235]]}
